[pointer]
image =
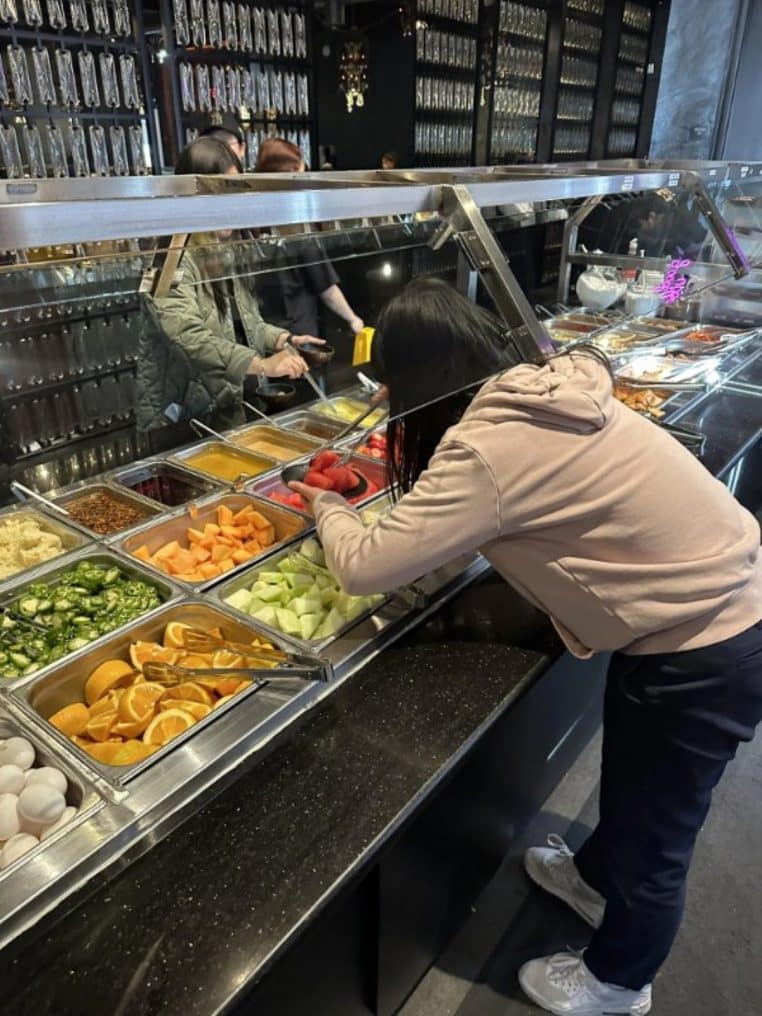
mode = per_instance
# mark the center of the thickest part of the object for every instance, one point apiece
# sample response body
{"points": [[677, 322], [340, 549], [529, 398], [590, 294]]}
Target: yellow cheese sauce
{"points": [[347, 410], [282, 450], [227, 464]]}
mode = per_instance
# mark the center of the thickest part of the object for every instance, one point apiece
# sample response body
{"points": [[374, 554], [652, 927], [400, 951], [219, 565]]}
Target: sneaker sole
{"points": [[537, 875], [641, 1009]]}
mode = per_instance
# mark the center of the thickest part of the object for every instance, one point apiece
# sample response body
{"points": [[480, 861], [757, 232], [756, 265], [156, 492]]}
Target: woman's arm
{"points": [[334, 298], [452, 509]]}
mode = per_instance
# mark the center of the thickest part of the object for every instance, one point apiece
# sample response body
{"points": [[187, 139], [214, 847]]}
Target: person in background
{"points": [[209, 335], [388, 160], [229, 134], [303, 288], [601, 519]]}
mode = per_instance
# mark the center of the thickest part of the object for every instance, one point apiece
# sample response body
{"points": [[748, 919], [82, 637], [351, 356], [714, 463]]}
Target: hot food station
{"points": [[222, 777]]}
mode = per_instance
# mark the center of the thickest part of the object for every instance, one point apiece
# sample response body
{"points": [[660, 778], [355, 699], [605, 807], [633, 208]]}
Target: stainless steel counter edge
{"points": [[131, 820]]}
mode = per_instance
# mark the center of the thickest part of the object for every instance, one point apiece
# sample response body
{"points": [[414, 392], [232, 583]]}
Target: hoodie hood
{"points": [[572, 392]]}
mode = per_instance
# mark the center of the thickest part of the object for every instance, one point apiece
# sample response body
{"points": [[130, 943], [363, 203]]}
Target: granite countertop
{"points": [[199, 917]]}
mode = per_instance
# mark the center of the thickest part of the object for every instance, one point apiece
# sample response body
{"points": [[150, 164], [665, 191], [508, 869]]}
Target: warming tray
{"points": [[72, 538], [345, 409], [295, 446], [85, 488], [80, 793], [247, 580], [251, 465], [64, 683], [304, 422], [288, 525], [658, 369], [54, 570], [373, 469], [154, 480]]}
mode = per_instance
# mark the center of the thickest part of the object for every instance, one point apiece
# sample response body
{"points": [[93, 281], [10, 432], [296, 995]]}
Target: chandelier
{"points": [[354, 74]]}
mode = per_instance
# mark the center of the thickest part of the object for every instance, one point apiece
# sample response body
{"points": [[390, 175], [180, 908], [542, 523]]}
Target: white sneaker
{"points": [[554, 870], [562, 984]]}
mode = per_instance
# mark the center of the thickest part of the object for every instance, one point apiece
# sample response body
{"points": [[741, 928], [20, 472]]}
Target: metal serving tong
{"points": [[197, 641], [20, 619], [169, 674], [692, 439]]}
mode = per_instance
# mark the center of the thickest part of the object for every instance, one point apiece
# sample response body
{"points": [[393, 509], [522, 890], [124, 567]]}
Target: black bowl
{"points": [[275, 395], [298, 471], [316, 355]]}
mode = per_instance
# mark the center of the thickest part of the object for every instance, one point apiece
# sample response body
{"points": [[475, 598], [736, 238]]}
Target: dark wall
{"points": [[385, 123], [744, 134], [693, 78]]}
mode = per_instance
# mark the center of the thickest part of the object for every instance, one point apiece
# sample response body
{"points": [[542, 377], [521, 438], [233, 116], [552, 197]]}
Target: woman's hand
{"points": [[307, 493], [304, 340], [356, 324], [283, 364]]}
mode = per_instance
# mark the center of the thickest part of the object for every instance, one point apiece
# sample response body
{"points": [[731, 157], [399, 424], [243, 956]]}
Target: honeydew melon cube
{"points": [[267, 593], [255, 604], [267, 616], [309, 624], [240, 599], [288, 622], [299, 581], [312, 550], [270, 577], [302, 605]]}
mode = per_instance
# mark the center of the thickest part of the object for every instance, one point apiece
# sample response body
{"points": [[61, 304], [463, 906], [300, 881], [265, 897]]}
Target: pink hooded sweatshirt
{"points": [[589, 510]]}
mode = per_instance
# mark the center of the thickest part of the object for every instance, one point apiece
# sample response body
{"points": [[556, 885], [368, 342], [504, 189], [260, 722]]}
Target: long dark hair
{"points": [[434, 349], [209, 156]]}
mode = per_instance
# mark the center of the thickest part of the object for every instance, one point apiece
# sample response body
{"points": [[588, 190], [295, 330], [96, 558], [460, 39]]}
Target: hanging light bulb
{"points": [[354, 74]]}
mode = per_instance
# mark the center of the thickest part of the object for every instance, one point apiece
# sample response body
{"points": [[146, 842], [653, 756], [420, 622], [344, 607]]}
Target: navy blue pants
{"points": [[671, 724]]}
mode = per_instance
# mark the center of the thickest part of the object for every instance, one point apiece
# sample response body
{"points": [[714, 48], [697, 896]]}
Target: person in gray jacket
{"points": [[207, 335]]}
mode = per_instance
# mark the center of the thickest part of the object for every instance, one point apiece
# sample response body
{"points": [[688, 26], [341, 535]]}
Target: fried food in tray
{"points": [[643, 400]]}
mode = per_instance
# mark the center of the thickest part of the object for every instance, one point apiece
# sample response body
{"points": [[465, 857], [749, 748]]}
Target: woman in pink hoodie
{"points": [[617, 532]]}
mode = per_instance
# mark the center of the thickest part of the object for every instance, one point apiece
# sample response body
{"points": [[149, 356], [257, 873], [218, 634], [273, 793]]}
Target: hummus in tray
{"points": [[25, 543]]}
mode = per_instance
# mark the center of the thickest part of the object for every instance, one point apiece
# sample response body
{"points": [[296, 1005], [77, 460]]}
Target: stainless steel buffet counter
{"points": [[124, 810]]}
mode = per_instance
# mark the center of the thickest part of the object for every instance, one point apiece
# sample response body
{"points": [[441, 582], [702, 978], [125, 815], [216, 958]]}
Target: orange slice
{"points": [[173, 635], [110, 674], [216, 632], [119, 753], [224, 658], [221, 685], [71, 719], [195, 660], [198, 710], [99, 727], [132, 728], [142, 652], [225, 699], [188, 690], [167, 725], [137, 703]]}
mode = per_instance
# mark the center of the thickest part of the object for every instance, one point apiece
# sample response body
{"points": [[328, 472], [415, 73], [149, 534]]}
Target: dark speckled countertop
{"points": [[198, 917]]}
